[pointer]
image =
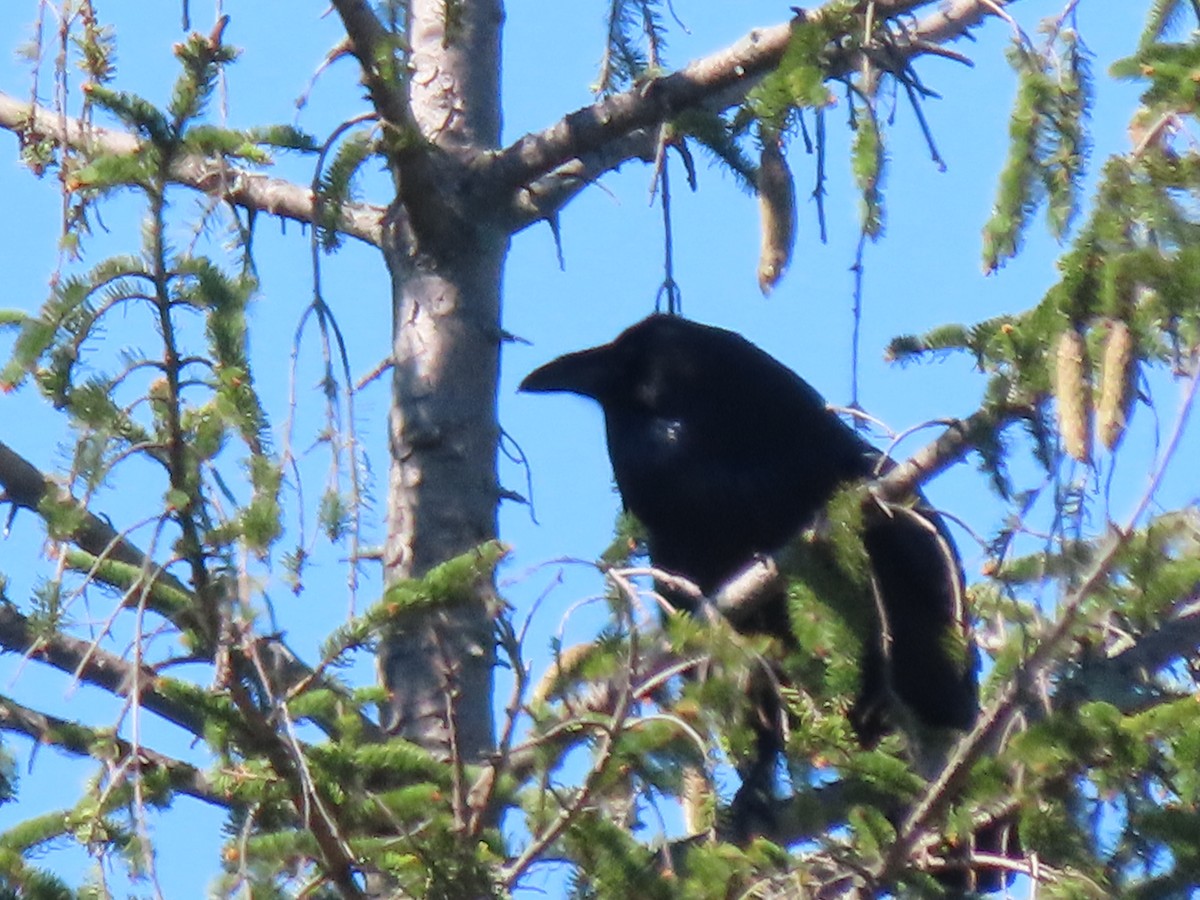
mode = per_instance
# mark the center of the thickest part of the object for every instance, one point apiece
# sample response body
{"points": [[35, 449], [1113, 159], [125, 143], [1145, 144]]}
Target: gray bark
{"points": [[446, 260]]}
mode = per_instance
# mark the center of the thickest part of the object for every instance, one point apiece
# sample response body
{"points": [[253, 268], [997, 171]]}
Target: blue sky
{"points": [[926, 271]]}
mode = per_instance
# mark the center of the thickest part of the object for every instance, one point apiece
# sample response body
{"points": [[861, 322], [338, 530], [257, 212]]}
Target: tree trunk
{"points": [[446, 260]]}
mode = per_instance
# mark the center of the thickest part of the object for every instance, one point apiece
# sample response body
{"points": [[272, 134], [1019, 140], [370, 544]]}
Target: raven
{"points": [[723, 453]]}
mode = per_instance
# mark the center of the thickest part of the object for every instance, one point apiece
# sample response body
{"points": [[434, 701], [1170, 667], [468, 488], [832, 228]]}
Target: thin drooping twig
{"points": [[819, 192], [669, 287]]}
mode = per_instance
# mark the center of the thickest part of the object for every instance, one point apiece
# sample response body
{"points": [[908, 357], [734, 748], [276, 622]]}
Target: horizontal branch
{"points": [[539, 172], [248, 190], [25, 486], [97, 667], [1122, 678], [739, 598], [542, 199], [80, 740], [953, 20], [959, 438], [714, 82], [589, 129]]}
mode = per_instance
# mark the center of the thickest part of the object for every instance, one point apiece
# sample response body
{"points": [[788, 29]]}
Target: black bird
{"points": [[723, 453]]}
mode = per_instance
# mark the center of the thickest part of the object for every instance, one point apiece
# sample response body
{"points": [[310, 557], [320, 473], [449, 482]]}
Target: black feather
{"points": [[724, 453]]}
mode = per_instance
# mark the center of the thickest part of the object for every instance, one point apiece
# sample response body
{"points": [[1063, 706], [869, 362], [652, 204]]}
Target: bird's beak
{"points": [[587, 372]]}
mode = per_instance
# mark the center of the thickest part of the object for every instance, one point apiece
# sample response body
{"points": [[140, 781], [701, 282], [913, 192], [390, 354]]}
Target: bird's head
{"points": [[643, 367]]}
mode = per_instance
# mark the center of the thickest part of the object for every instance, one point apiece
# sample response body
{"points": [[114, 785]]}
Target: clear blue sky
{"points": [[925, 272]]}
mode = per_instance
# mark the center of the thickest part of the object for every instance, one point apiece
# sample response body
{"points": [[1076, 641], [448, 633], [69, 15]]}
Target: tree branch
{"points": [[1122, 678], [80, 740], [953, 20], [89, 663], [962, 436], [286, 757], [590, 136], [1114, 679], [371, 44], [539, 173], [22, 484], [1045, 657], [542, 199], [739, 597], [112, 673], [589, 129], [249, 190]]}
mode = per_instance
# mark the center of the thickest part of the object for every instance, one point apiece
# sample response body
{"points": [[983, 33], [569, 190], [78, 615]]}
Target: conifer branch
{"points": [[542, 198], [286, 757], [372, 45], [248, 190], [589, 129], [539, 173], [948, 448], [1016, 691], [992, 720], [80, 740], [582, 143], [1177, 638], [24, 485], [90, 664], [740, 597]]}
